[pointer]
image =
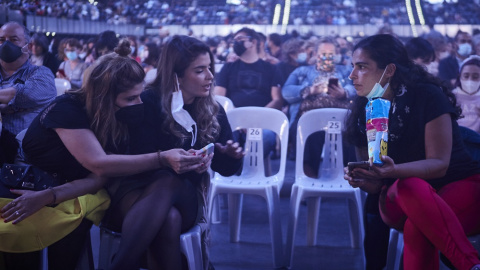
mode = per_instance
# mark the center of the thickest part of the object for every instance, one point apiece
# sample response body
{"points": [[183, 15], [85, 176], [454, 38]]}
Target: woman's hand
{"points": [[371, 186], [26, 205], [387, 170], [336, 91], [206, 162], [231, 149], [181, 161]]}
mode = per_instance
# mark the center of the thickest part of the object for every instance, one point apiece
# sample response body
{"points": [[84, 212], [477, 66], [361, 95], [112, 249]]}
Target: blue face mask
{"points": [[71, 55], [302, 57], [464, 49], [378, 90]]}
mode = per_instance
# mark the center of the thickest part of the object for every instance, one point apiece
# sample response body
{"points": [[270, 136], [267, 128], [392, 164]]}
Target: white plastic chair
{"points": [[395, 249], [252, 180], [226, 103], [330, 182], [190, 245], [62, 85], [85, 262]]}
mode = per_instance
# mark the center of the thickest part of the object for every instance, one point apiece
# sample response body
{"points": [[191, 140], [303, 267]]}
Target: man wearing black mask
{"points": [[250, 81], [25, 89]]}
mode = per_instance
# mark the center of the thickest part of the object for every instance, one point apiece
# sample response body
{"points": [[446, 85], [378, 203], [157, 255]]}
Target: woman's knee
{"points": [[411, 186], [171, 227]]}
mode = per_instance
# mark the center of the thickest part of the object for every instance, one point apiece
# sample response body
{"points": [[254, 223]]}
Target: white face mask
{"points": [[469, 86], [181, 116], [443, 55], [464, 49], [378, 90]]}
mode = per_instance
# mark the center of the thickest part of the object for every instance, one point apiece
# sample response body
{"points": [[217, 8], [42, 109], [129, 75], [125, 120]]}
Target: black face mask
{"points": [[239, 47], [10, 52], [130, 115]]}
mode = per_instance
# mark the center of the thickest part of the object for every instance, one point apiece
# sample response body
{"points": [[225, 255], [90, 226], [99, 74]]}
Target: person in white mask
{"points": [[448, 68], [428, 184], [182, 114], [73, 68], [468, 93]]}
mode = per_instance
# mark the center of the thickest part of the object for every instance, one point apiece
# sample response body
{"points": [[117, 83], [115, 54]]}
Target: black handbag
{"points": [[26, 177]]}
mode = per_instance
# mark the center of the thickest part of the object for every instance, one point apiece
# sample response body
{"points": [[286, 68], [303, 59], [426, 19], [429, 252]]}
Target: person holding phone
{"points": [[180, 113], [428, 185], [322, 85]]}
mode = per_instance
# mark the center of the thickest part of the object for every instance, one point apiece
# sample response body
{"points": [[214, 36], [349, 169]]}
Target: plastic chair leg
{"points": [[235, 203], [190, 244], [273, 201], [313, 214], [216, 213], [395, 250], [356, 230], [295, 201]]}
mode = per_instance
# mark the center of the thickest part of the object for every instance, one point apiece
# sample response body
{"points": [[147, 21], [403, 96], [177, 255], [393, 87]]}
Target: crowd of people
{"points": [[127, 151], [159, 13]]}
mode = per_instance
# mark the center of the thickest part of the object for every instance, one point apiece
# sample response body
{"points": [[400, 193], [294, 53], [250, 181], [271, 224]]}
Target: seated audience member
{"points": [[467, 92], [180, 112], [420, 51], [250, 81], [106, 42], [428, 185], [152, 55], [25, 90], [448, 68], [40, 54], [73, 68], [311, 87], [292, 57]]}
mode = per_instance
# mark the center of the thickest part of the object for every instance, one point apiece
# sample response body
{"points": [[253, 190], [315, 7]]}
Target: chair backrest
{"points": [[226, 103], [331, 121], [151, 75], [254, 119], [62, 85]]}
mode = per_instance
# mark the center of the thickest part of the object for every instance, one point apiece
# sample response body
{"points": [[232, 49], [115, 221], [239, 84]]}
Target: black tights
{"points": [[153, 219]]}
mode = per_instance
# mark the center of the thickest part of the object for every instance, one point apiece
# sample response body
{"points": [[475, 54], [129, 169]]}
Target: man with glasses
{"points": [[250, 81], [448, 68], [25, 89]]}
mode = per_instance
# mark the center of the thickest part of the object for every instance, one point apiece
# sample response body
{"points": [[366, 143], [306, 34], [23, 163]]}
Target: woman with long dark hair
{"points": [[428, 184]]}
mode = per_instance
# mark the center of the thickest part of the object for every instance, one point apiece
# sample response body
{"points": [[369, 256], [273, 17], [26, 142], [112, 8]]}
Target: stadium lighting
{"points": [[408, 4], [420, 12], [286, 16], [276, 14]]}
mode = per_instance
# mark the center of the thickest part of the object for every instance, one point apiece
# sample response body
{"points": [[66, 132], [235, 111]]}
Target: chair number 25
{"points": [[334, 127]]}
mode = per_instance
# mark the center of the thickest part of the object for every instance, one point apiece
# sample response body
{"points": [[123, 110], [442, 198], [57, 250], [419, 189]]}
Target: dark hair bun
{"points": [[123, 48]]}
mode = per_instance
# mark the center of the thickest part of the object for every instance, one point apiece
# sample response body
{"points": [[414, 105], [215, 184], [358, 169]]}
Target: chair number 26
{"points": [[255, 134]]}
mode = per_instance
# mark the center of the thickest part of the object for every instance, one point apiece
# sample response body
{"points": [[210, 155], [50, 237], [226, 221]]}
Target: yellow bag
{"points": [[51, 224]]}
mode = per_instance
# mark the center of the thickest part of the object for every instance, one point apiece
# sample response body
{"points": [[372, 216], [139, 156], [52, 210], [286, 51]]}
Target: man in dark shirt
{"points": [[250, 81]]}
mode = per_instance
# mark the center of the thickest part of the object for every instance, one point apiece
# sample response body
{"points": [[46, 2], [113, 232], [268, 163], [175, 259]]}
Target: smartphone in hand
{"points": [[206, 150], [358, 164], [332, 81]]}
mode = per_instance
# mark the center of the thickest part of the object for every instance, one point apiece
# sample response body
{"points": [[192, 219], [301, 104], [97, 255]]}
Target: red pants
{"points": [[433, 221]]}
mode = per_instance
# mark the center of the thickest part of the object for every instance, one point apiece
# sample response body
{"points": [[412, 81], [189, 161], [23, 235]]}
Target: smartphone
{"points": [[332, 81], [358, 164], [206, 150]]}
